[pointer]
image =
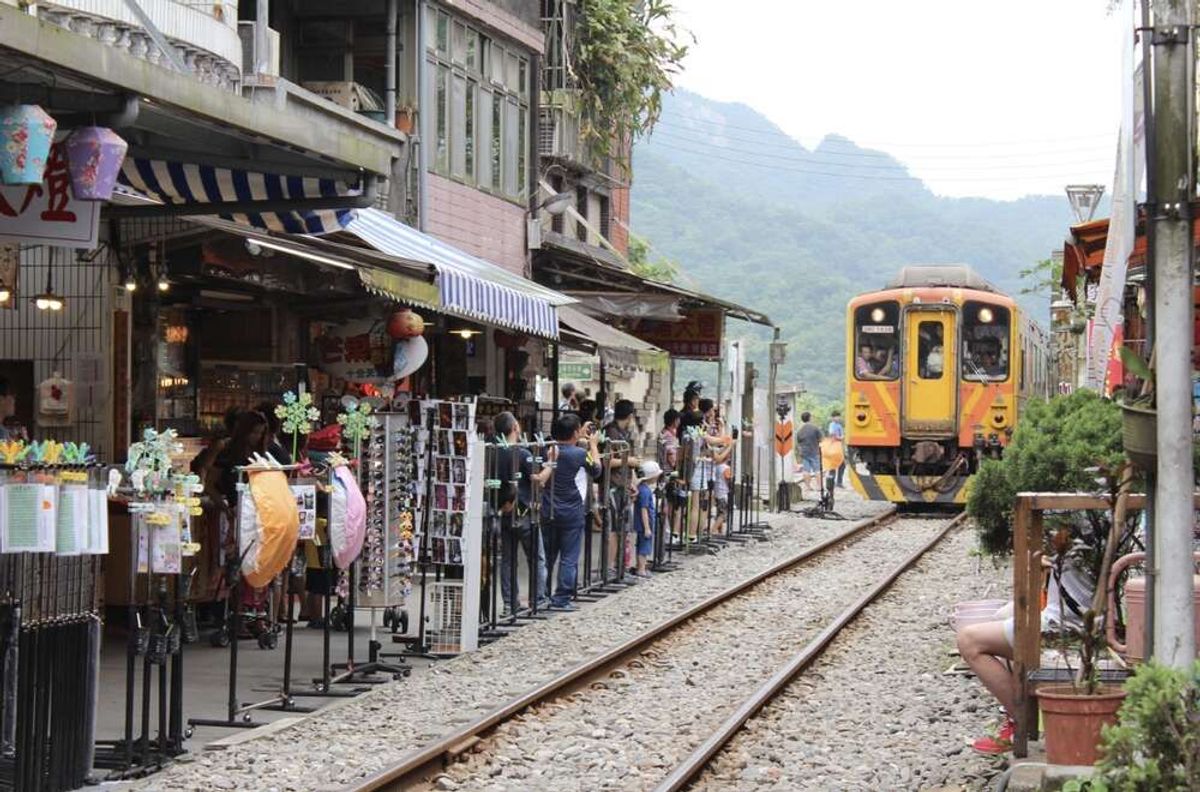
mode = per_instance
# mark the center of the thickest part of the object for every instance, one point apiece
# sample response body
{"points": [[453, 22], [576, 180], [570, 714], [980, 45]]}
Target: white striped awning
{"points": [[192, 183], [469, 286]]}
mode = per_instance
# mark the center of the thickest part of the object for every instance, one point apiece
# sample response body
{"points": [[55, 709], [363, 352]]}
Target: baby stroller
{"points": [[259, 620]]}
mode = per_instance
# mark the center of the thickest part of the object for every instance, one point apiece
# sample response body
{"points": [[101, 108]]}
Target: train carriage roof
{"points": [[958, 276]]}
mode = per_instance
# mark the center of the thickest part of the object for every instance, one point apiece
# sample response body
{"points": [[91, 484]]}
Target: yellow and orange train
{"points": [[940, 366]]}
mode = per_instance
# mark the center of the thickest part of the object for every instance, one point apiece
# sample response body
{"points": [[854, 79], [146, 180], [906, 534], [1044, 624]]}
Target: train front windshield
{"points": [[986, 330], [876, 341]]}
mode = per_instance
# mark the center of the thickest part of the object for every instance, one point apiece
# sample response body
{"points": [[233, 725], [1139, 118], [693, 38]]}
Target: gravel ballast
{"points": [[876, 710], [626, 731], [330, 749]]}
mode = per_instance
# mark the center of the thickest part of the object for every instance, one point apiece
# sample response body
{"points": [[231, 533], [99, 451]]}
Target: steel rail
{"points": [[691, 767], [395, 776]]}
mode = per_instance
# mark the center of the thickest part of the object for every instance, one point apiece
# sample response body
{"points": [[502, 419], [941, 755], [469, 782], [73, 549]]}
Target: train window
{"points": [[931, 355], [876, 328], [986, 352]]}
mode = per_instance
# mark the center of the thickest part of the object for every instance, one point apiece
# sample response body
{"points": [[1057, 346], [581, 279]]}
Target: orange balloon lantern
{"points": [[405, 324]]}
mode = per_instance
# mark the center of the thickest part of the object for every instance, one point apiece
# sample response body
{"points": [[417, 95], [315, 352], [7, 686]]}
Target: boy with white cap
{"points": [[645, 518]]}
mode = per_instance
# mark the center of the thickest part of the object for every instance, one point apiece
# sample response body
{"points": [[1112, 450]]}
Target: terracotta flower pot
{"points": [[1073, 721], [94, 157], [26, 132]]}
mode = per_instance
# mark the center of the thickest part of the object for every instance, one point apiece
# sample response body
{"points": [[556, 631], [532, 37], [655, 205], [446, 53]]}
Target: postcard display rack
{"points": [[53, 527], [448, 524]]}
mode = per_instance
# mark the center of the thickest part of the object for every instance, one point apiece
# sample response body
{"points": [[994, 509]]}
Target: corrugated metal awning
{"points": [[615, 348]]}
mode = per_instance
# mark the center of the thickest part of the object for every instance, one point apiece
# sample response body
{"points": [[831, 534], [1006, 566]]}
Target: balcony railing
{"points": [[204, 34]]}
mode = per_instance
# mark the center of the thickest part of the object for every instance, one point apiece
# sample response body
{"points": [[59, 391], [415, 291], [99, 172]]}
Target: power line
{"points": [[777, 167], [794, 144], [779, 133], [816, 159]]}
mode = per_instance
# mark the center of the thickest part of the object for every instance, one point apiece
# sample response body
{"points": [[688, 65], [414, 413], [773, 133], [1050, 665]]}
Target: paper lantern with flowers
{"points": [[26, 132], [297, 414], [94, 157]]}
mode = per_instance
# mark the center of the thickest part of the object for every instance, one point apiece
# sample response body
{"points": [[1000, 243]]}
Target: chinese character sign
{"points": [[47, 213], [358, 351], [697, 336]]}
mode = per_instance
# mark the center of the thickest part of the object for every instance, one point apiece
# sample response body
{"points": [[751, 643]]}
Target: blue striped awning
{"points": [[469, 286], [191, 183]]}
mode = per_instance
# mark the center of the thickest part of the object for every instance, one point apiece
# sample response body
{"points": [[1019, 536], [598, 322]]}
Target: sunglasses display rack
{"points": [[49, 623], [381, 579]]}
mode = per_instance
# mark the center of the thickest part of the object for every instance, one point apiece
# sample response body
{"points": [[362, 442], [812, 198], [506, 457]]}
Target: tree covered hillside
{"points": [[756, 218]]}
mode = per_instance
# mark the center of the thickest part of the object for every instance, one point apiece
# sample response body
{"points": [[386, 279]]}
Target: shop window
{"points": [[986, 334], [877, 351], [481, 98]]}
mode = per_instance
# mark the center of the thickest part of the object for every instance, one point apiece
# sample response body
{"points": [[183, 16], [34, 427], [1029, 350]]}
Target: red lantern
{"points": [[405, 324]]}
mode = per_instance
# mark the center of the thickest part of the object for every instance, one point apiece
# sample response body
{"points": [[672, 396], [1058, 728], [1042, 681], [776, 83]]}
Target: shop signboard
{"points": [[697, 336], [362, 351], [575, 372], [47, 213]]}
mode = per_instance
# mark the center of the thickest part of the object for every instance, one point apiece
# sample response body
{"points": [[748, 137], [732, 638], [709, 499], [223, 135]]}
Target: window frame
{"points": [[1004, 317], [493, 75], [893, 308]]}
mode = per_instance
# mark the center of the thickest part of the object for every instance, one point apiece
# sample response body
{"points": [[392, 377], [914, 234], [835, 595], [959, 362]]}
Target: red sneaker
{"points": [[1001, 743]]}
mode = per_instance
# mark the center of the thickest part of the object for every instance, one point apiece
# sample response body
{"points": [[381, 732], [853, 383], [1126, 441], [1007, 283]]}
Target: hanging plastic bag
{"points": [[348, 518], [276, 527]]}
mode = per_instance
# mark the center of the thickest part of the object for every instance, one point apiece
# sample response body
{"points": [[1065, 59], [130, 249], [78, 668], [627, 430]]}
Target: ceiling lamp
{"points": [[465, 333], [5, 293], [48, 300]]}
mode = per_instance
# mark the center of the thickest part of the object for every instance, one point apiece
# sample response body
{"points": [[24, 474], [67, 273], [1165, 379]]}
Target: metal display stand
{"points": [[384, 480], [238, 715]]}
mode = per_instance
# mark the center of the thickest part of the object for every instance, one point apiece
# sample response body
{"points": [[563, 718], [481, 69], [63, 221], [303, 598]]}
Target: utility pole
{"points": [[1171, 220], [778, 354]]}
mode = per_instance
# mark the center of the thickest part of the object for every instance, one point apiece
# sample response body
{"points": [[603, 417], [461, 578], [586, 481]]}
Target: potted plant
{"points": [[1075, 714], [406, 115], [1139, 424]]}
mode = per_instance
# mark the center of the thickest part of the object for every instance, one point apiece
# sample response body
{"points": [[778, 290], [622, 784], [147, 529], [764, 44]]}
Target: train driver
{"points": [[987, 355]]}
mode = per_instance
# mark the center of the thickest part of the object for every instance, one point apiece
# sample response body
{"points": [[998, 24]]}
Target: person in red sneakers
{"points": [[987, 648]]}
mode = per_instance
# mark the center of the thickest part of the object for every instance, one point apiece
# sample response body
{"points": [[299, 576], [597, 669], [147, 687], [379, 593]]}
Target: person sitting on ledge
{"points": [[987, 648]]}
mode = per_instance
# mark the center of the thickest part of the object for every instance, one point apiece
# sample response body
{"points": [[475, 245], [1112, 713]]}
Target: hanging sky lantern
{"points": [[94, 157], [26, 132]]}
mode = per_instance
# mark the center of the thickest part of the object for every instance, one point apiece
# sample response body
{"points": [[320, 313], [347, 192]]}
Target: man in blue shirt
{"points": [[563, 511]]}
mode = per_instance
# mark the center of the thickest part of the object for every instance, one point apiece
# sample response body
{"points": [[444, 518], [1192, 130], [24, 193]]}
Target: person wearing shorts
{"points": [[808, 442], [988, 648]]}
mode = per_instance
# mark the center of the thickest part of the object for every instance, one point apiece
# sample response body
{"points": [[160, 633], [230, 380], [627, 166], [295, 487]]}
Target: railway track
{"points": [[778, 638]]}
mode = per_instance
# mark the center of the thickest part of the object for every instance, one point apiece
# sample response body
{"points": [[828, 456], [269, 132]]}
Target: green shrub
{"points": [[1156, 743], [1056, 448]]}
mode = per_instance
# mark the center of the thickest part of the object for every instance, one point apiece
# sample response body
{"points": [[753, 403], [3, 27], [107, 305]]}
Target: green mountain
{"points": [[754, 217]]}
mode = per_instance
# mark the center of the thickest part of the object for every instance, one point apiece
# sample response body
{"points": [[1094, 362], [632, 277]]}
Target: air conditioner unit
{"points": [[559, 134], [254, 62]]}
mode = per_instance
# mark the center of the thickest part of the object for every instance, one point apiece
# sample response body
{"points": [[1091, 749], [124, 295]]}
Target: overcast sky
{"points": [[996, 99]]}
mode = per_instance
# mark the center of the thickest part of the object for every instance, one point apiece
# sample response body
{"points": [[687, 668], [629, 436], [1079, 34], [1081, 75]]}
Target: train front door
{"points": [[929, 364]]}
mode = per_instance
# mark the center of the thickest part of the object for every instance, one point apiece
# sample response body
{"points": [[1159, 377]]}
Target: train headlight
{"points": [[986, 316]]}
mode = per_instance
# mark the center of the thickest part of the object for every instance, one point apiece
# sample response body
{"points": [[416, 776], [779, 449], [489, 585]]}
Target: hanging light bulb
{"points": [[163, 283], [48, 300], [5, 293]]}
